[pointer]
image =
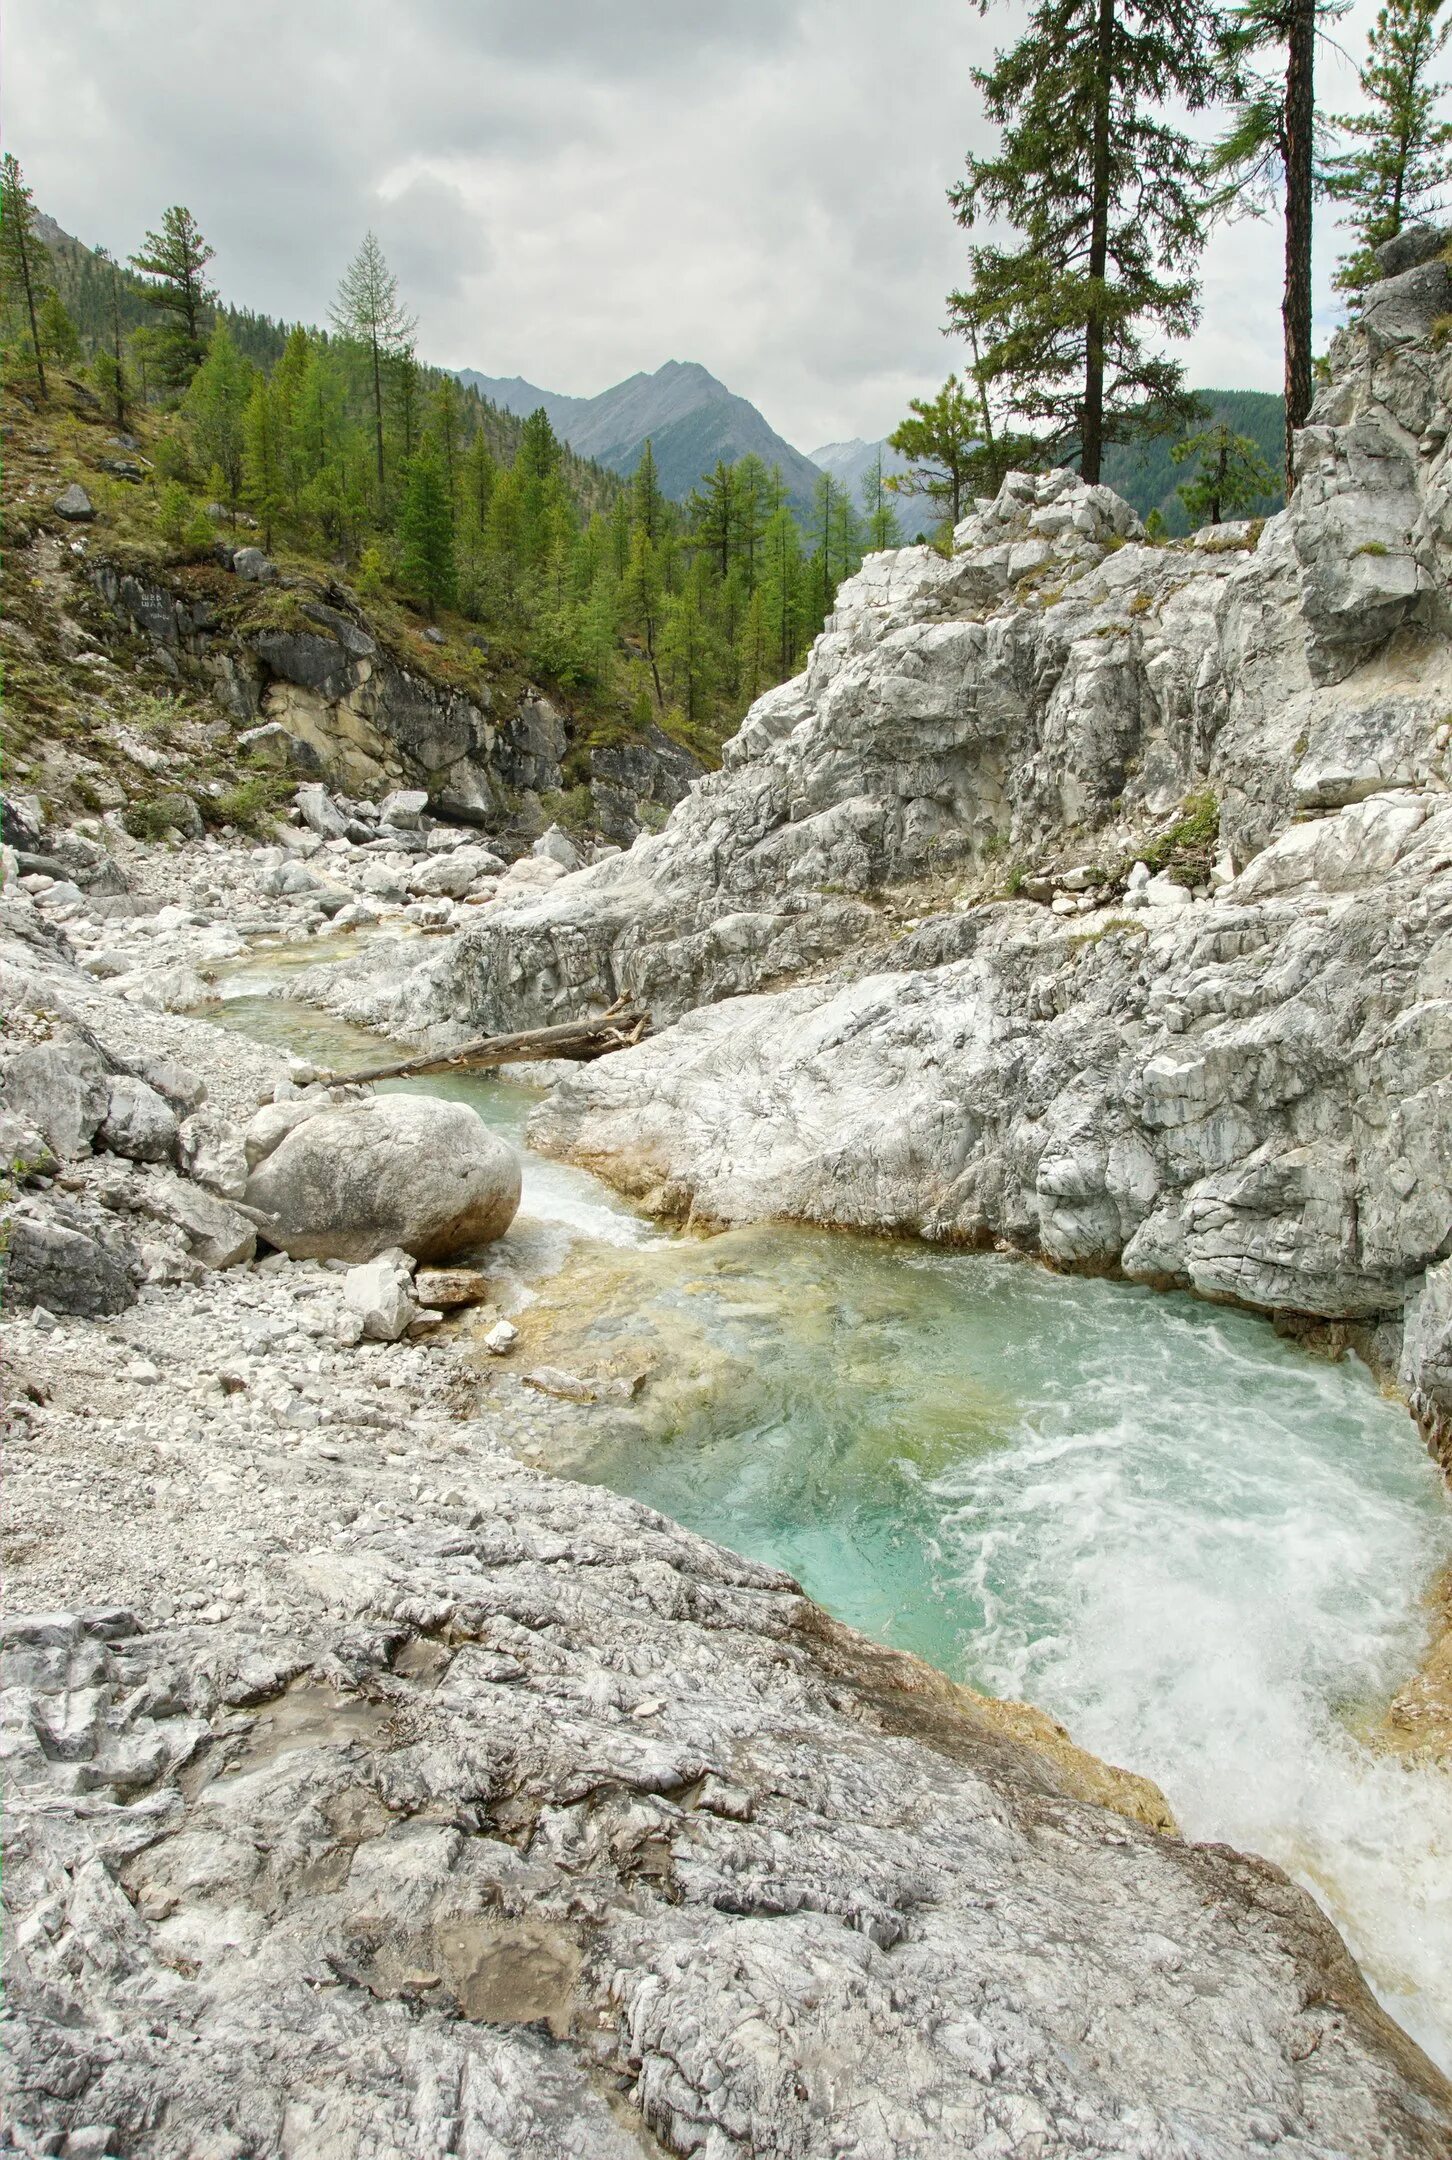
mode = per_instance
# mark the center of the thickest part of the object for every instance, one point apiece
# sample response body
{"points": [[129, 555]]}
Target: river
{"points": [[1205, 1550]]}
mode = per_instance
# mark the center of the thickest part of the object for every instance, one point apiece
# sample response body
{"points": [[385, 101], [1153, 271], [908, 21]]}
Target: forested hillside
{"points": [[339, 447], [1146, 474]]}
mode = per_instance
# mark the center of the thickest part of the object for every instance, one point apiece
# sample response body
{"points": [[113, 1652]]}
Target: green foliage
{"points": [[1230, 474], [58, 333], [173, 513], [1145, 473], [1190, 842], [1402, 154], [250, 804], [174, 261], [426, 533], [1107, 196], [24, 262], [942, 439], [215, 405]]}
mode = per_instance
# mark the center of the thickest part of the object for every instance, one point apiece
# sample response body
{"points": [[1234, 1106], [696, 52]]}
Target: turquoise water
{"points": [[1204, 1550]]}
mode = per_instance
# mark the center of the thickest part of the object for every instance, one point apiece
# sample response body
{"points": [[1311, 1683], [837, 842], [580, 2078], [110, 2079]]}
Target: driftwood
{"points": [[578, 1040]]}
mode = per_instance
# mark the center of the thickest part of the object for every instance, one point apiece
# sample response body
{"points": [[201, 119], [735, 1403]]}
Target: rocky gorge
{"points": [[373, 1790]]}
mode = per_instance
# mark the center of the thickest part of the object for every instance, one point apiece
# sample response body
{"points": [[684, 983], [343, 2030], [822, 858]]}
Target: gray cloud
{"points": [[571, 191]]}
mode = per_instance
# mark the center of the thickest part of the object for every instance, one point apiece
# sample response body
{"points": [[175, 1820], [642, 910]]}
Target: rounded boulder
{"points": [[398, 1170]]}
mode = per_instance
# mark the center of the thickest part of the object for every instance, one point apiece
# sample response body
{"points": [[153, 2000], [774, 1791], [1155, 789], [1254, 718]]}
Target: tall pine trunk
{"points": [[25, 279], [1092, 445], [378, 417], [1296, 305]]}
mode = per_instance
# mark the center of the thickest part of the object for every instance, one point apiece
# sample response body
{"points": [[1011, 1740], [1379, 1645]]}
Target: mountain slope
{"points": [[690, 418], [1146, 474]]}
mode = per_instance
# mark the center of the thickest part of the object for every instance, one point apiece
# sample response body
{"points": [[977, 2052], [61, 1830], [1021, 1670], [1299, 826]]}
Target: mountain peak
{"points": [[688, 415]]}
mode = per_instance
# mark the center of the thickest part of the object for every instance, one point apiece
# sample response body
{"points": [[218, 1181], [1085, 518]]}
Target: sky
{"points": [[571, 191]]}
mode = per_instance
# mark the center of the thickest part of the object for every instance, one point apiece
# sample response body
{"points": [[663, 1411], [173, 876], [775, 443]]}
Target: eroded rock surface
{"points": [[538, 1823]]}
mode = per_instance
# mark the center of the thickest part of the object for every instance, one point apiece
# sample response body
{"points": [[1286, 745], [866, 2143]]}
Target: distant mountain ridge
{"points": [[690, 418]]}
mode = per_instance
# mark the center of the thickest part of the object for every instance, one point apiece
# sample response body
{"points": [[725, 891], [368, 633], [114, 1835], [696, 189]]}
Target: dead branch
{"points": [[619, 1028]]}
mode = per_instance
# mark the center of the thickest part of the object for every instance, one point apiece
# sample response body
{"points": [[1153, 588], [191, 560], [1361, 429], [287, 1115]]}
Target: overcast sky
{"points": [[571, 190]]}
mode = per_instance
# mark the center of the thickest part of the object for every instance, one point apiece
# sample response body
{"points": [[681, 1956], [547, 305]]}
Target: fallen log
{"points": [[579, 1040]]}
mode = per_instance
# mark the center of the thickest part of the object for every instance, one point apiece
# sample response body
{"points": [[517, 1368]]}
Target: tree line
{"points": [[340, 443], [1108, 199]]}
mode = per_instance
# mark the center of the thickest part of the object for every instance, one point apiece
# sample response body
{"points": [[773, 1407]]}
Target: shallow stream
{"points": [[1203, 1549]]}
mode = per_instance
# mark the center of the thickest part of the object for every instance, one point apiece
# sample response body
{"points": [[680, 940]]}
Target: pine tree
{"points": [[23, 259], [754, 649], [1106, 194], [1231, 475], [1271, 148], [940, 440], [535, 466], [110, 362], [264, 454], [1401, 161], [711, 511], [781, 583], [643, 598], [446, 421], [57, 332], [753, 508], [647, 503], [426, 532], [174, 261], [368, 310], [214, 406], [883, 529], [690, 661]]}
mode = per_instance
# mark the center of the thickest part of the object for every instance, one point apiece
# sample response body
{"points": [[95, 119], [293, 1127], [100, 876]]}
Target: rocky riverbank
{"points": [[370, 1789]]}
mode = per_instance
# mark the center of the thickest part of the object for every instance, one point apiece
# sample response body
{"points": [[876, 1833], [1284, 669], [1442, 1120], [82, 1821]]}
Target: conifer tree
{"points": [[110, 363], [1105, 192], [368, 310], [711, 509], [1402, 157], [1271, 148], [214, 406], [23, 259], [941, 441], [174, 261], [264, 453], [58, 333], [446, 420], [647, 503], [643, 597], [426, 531], [754, 648], [883, 529], [688, 655], [753, 508], [1230, 476], [781, 579]]}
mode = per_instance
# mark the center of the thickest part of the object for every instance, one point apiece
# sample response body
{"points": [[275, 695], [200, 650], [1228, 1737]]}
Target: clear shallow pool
{"points": [[1203, 1549]]}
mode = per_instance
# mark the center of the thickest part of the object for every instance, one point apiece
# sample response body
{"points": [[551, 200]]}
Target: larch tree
{"points": [[426, 531], [22, 256], [215, 405], [264, 453], [1270, 152], [711, 509], [1230, 474], [1401, 158], [883, 529], [940, 440], [174, 263], [368, 311], [647, 503], [110, 361], [1105, 191]]}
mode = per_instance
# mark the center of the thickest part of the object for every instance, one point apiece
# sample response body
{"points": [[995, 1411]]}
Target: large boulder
{"points": [[65, 1269], [62, 1089], [139, 1122], [402, 1170]]}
